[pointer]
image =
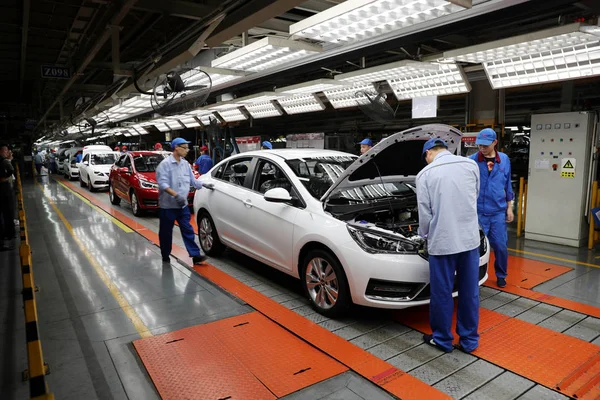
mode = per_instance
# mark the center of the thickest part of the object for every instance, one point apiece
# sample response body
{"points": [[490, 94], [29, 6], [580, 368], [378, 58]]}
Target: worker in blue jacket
{"points": [[494, 205], [204, 163]]}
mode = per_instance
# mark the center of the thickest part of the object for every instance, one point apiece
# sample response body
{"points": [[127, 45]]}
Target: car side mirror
{"points": [[278, 195], [85, 163]]}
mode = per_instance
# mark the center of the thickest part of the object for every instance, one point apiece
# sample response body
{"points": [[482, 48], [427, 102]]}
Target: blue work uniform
{"points": [[447, 191], [204, 163], [178, 176], [495, 194], [78, 157]]}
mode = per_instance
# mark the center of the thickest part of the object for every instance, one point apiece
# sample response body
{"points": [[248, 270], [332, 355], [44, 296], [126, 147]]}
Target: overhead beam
{"points": [[251, 14], [315, 6], [182, 9], [88, 87], [117, 19], [25, 28], [275, 25]]}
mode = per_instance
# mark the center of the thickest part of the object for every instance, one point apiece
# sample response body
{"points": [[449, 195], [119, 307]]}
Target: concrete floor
{"points": [[86, 335]]}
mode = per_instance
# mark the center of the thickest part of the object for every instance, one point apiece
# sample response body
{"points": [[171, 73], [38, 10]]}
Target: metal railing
{"points": [[37, 369]]}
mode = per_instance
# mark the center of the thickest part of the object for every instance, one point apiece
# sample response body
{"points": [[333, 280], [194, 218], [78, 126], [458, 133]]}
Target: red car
{"points": [[133, 179]]}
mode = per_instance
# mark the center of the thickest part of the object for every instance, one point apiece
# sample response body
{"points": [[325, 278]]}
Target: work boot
{"points": [[501, 282], [199, 259]]}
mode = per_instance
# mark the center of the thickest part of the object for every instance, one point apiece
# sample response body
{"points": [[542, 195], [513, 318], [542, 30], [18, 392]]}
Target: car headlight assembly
{"points": [[97, 173], [148, 185], [378, 242]]}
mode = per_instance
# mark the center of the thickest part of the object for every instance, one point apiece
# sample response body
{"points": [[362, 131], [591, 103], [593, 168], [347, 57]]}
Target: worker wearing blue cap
{"points": [[266, 145], [494, 205], [174, 176], [365, 145], [447, 191]]}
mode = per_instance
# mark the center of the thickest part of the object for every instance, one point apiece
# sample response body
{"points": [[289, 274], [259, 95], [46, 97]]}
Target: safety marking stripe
{"points": [[529, 253], [123, 303], [86, 201]]}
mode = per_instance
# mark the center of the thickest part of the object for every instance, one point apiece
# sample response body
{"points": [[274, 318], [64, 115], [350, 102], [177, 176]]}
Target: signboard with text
{"points": [[56, 71]]}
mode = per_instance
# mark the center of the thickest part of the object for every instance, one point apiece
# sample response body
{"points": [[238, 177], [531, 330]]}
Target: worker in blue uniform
{"points": [[365, 145], [266, 145], [447, 191], [204, 163], [494, 205]]}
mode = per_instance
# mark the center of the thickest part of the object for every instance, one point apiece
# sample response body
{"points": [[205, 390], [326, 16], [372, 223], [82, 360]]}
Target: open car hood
{"points": [[398, 155]]}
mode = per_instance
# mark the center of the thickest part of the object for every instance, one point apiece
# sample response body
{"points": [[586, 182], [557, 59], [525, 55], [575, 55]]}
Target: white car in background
{"points": [[345, 225], [94, 169], [69, 168]]}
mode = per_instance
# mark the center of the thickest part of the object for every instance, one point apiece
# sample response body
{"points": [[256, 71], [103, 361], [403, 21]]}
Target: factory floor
{"points": [[117, 323]]}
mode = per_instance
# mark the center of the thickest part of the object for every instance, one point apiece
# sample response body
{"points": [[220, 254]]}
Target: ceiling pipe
{"points": [[117, 19], [26, 7]]}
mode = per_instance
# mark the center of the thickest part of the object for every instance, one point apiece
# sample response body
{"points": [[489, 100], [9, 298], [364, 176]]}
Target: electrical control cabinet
{"points": [[559, 177]]}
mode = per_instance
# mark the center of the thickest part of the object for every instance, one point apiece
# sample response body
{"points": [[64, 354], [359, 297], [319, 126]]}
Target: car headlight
{"points": [[378, 242], [148, 185], [98, 173]]}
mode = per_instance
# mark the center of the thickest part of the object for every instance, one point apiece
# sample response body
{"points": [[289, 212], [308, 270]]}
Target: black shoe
{"points": [[166, 260], [429, 340], [501, 282], [198, 259], [458, 346]]}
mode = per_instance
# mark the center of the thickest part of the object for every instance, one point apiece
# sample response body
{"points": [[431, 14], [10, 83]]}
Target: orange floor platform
{"points": [[526, 273], [560, 362], [245, 357]]}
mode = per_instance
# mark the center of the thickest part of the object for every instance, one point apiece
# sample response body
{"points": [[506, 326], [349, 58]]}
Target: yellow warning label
{"points": [[567, 174], [568, 165]]}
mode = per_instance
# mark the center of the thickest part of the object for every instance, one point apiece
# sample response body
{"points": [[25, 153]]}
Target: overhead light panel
{"points": [[563, 53], [266, 53], [261, 105], [349, 96], [387, 71], [232, 114], [218, 76], [309, 87], [357, 20], [190, 122], [301, 104], [449, 79]]}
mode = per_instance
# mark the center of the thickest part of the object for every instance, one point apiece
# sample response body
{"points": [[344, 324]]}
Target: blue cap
{"points": [[267, 144], [368, 142], [486, 137], [431, 143], [178, 142]]}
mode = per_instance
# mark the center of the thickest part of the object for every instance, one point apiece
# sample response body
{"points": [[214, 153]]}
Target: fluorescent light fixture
{"points": [[266, 53], [259, 98], [142, 101], [263, 110], [356, 20], [190, 122], [301, 104], [387, 71], [563, 53], [173, 124], [232, 115], [218, 76], [315, 86], [449, 79], [348, 96]]}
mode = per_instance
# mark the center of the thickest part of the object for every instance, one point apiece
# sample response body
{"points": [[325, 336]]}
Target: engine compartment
{"points": [[403, 221]]}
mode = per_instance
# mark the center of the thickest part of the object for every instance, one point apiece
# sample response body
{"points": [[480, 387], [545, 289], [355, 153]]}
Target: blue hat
{"points": [[178, 142], [368, 142], [486, 137], [267, 144], [431, 143]]}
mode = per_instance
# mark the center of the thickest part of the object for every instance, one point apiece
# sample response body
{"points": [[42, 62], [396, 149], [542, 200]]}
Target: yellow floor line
{"points": [[529, 253], [95, 207], [123, 303]]}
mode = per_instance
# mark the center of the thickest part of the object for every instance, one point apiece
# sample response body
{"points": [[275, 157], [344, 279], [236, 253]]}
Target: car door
{"points": [[272, 224], [226, 203], [125, 176], [84, 169]]}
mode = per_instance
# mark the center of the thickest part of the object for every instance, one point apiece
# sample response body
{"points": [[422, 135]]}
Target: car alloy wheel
{"points": [[207, 233], [114, 199], [135, 205], [322, 283]]}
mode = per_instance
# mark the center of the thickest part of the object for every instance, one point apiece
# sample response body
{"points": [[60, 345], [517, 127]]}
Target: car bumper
{"points": [[392, 281], [99, 181]]}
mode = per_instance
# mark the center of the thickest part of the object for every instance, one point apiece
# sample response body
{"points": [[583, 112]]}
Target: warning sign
{"points": [[567, 168]]}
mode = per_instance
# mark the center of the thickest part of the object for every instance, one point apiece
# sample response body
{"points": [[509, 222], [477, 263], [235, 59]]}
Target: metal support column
{"points": [[116, 52], [26, 6], [245, 38]]}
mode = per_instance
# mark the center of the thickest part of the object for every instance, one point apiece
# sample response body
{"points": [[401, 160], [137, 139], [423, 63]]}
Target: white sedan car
{"points": [[94, 169], [345, 225]]}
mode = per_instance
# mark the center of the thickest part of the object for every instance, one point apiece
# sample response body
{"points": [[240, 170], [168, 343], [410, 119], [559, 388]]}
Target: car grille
{"points": [[378, 289], [150, 202], [426, 292]]}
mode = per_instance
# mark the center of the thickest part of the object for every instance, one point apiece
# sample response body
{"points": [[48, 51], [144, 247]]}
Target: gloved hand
{"points": [[208, 186], [181, 201]]}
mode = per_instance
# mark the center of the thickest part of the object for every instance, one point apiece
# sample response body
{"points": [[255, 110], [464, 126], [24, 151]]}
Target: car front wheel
{"points": [[325, 283], [114, 199], [135, 205], [207, 234]]}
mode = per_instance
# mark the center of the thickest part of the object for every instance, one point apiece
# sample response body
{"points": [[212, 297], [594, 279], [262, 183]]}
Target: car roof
{"points": [[291, 154], [144, 153]]}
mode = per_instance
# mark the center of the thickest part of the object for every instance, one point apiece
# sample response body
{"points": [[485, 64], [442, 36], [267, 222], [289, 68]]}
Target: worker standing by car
{"points": [[158, 147], [365, 145], [204, 163], [266, 145], [174, 176], [7, 200], [447, 191], [494, 205], [38, 160]]}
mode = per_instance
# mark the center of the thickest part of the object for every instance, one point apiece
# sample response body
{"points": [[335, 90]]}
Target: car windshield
{"points": [[103, 159], [147, 163], [317, 174]]}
